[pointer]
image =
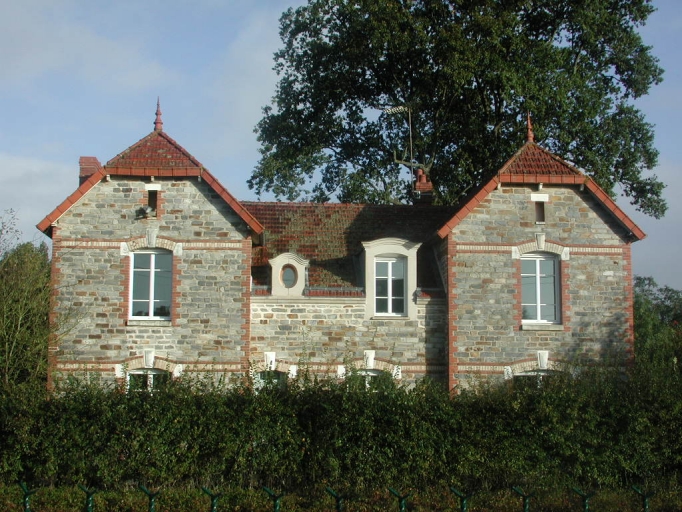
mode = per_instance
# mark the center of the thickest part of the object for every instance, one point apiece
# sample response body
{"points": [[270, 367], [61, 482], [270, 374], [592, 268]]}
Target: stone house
{"points": [[168, 273]]}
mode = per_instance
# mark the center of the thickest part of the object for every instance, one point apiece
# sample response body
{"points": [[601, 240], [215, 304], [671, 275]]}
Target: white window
{"points": [[389, 279], [390, 266], [151, 285], [147, 379], [540, 286]]}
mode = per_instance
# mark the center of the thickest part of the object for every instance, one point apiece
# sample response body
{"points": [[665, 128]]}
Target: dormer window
{"points": [[391, 277], [288, 274]]}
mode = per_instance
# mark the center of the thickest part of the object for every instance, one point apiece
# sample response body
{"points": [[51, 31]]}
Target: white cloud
{"points": [[43, 39], [33, 188]]}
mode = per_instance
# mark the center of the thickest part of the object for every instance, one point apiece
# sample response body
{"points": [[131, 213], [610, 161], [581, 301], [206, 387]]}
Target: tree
{"points": [[24, 308], [465, 73], [658, 314]]}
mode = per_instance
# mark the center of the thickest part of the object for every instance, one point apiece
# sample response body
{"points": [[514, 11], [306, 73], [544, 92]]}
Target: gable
{"points": [[534, 165], [155, 156]]}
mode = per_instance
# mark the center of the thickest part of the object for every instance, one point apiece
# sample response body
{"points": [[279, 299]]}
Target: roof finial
{"points": [[531, 136], [158, 123]]}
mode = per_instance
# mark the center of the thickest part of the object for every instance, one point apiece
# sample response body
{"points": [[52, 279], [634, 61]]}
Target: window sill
{"points": [[148, 323], [542, 327], [390, 317]]}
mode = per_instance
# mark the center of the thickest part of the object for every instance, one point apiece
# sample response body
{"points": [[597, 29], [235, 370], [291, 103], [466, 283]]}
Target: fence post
{"points": [[152, 497], [89, 498], [214, 499], [526, 498], [339, 499], [27, 496], [463, 499], [585, 497], [402, 500], [276, 506], [645, 497]]}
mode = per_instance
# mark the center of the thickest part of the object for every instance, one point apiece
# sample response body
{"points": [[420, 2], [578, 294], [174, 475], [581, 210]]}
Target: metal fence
{"points": [[340, 500]]}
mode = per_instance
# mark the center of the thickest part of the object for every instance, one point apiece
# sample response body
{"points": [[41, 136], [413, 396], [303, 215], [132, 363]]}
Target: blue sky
{"points": [[81, 77]]}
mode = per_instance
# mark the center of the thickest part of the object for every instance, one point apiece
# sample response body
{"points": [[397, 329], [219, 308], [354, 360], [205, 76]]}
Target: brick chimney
{"points": [[422, 189], [89, 165]]}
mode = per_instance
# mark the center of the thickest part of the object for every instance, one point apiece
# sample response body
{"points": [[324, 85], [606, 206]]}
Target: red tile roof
{"points": [[331, 236], [534, 160], [155, 151]]}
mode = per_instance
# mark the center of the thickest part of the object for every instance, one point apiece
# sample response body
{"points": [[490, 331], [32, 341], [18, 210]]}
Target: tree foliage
{"points": [[466, 73], [24, 308], [658, 320]]}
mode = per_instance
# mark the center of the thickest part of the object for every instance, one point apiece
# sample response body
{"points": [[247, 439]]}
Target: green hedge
{"points": [[597, 429]]}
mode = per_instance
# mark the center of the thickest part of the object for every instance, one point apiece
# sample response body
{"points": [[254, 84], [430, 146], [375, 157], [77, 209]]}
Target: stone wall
{"points": [[326, 332], [211, 276], [485, 283]]}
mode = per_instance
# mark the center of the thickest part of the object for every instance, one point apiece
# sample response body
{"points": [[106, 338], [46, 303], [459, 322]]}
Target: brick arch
{"points": [[541, 245]]}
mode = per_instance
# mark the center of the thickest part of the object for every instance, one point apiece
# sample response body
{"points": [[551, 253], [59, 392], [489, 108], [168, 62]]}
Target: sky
{"points": [[82, 77]]}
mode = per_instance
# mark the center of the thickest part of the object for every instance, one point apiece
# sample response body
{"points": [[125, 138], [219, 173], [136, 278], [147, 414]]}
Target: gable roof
{"points": [[157, 155], [155, 151], [533, 164], [331, 236]]}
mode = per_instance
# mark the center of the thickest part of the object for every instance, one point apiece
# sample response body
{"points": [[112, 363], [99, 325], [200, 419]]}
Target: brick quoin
{"points": [[453, 360]]}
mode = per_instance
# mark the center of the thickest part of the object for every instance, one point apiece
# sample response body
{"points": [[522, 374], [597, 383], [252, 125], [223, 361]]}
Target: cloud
{"points": [[33, 188], [42, 39]]}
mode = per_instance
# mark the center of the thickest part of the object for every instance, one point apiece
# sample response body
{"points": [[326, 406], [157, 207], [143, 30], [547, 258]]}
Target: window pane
{"points": [[161, 308], [547, 290], [529, 313], [382, 288], [382, 269], [288, 277], [142, 260], [159, 380], [548, 313], [528, 266], [162, 286], [163, 262], [141, 308], [140, 285], [398, 288], [547, 267], [399, 268], [382, 305], [528, 292], [398, 306]]}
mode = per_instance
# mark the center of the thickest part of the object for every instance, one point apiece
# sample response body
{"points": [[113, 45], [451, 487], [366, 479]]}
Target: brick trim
{"points": [[451, 337]]}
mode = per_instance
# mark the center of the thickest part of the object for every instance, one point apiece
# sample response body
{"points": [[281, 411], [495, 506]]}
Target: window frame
{"points": [[150, 375], [539, 301], [152, 292], [390, 248], [391, 279]]}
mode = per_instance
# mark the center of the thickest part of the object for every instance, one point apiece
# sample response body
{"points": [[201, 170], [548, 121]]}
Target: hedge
{"points": [[594, 429]]}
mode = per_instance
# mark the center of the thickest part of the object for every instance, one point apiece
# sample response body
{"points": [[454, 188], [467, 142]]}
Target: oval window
{"points": [[289, 276]]}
